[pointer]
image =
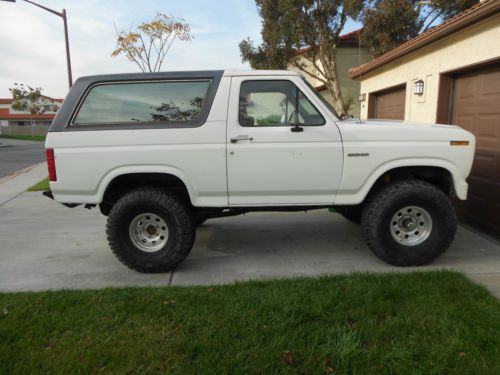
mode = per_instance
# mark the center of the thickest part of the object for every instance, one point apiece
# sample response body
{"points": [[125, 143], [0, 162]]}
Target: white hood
{"points": [[387, 130]]}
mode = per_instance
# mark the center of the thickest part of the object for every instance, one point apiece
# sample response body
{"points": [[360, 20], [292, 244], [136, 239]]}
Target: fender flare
{"points": [[459, 183], [134, 169]]}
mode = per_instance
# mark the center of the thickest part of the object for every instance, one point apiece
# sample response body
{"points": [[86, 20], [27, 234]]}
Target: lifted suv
{"points": [[160, 153]]}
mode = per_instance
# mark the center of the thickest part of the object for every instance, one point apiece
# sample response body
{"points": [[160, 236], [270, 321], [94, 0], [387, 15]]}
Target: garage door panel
{"points": [[390, 104], [477, 109], [490, 84], [468, 122], [482, 168], [480, 187], [468, 91], [488, 132], [481, 209], [487, 127], [478, 204]]}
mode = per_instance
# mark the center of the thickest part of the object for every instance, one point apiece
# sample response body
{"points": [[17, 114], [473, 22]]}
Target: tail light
{"points": [[51, 164]]}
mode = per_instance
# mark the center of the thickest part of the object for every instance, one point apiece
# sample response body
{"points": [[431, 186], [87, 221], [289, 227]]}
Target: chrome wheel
{"points": [[148, 232], [411, 225]]}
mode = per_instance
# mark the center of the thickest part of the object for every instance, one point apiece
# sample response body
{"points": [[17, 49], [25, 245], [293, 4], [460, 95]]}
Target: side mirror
{"points": [[297, 129]]}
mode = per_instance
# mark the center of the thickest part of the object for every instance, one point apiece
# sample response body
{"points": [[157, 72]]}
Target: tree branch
{"points": [[304, 70], [145, 52], [139, 63], [316, 66], [431, 22], [164, 52], [148, 44]]}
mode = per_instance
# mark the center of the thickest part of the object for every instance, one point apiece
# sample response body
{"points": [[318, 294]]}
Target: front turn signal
{"points": [[459, 143]]}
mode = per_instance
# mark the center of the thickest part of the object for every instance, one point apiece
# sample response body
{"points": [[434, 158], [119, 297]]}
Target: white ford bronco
{"points": [[160, 153]]}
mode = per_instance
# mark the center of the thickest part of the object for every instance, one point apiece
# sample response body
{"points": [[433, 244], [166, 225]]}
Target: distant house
{"points": [[349, 55], [9, 116], [449, 74]]}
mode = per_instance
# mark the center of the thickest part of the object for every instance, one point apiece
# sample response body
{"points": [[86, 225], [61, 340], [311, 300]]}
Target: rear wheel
{"points": [[409, 223], [149, 230]]}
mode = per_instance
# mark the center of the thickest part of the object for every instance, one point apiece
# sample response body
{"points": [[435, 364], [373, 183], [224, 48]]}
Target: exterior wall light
{"points": [[418, 87]]}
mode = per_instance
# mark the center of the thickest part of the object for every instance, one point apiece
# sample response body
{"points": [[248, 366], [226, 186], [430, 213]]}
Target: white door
{"points": [[276, 154]]}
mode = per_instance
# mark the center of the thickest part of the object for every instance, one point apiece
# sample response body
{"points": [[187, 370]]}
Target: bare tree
{"points": [[148, 44]]}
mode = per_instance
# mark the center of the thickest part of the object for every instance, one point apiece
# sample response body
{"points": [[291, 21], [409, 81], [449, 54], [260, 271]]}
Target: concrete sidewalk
{"points": [[44, 245], [15, 184]]}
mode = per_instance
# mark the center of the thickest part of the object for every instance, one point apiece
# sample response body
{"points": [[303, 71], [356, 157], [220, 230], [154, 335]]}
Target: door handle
{"points": [[241, 138]]}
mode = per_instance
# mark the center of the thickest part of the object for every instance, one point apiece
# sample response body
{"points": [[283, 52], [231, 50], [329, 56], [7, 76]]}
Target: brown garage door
{"points": [[476, 108], [389, 104]]}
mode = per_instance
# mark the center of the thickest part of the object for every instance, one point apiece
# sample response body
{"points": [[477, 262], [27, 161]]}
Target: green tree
{"points": [[389, 23], [148, 44], [289, 25], [27, 99]]}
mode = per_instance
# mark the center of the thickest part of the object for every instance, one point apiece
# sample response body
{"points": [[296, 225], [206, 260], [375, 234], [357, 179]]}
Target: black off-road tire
{"points": [[351, 213], [379, 211], [178, 218]]}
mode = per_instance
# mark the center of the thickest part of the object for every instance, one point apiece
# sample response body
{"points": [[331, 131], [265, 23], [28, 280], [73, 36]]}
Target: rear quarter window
{"points": [[167, 102]]}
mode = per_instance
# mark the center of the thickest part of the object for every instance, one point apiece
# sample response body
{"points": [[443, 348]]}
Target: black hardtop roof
{"points": [[83, 84], [150, 76]]}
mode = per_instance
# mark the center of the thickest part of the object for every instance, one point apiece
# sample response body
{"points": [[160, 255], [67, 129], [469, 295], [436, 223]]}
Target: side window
{"points": [[275, 103], [143, 102]]}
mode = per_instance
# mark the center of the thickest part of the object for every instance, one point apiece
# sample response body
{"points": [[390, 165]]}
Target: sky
{"points": [[32, 40]]}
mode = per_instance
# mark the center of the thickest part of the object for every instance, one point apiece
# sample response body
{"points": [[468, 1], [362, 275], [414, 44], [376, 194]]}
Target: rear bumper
{"points": [[48, 194]]}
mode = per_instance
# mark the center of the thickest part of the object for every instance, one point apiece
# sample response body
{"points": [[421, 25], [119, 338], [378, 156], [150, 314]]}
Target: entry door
{"points": [[282, 148]]}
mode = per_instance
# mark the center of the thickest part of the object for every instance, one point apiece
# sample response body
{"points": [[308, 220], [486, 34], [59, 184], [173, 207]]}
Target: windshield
{"points": [[323, 100]]}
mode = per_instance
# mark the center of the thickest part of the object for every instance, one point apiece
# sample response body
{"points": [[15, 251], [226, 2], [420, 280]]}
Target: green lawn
{"points": [[40, 186], [416, 323], [40, 138]]}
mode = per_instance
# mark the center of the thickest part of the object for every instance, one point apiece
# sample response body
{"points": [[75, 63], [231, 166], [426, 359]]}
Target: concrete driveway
{"points": [[44, 245], [16, 154]]}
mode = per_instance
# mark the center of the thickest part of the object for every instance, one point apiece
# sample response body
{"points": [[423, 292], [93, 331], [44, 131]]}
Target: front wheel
{"points": [[150, 230], [409, 223]]}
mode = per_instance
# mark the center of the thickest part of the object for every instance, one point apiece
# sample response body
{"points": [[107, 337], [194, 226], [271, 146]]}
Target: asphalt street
{"points": [[16, 154]]}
